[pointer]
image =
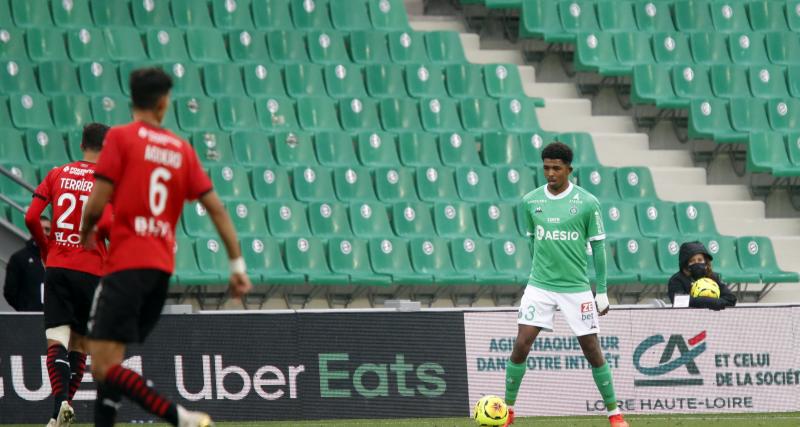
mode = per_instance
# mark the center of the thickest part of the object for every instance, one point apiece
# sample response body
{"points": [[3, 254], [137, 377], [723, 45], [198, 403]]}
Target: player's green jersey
{"points": [[560, 228]]}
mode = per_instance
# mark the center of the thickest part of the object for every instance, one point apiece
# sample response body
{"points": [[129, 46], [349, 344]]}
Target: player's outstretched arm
{"points": [[239, 281], [33, 222], [93, 209], [599, 258]]}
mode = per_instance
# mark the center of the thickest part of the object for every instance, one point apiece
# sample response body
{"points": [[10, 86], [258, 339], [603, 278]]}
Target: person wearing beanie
{"points": [[694, 262]]}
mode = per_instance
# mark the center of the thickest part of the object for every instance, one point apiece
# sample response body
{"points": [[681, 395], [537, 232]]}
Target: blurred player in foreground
{"points": [[147, 173]]}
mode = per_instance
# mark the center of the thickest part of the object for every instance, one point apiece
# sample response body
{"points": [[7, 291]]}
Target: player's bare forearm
{"points": [[222, 222], [34, 223], [93, 208]]}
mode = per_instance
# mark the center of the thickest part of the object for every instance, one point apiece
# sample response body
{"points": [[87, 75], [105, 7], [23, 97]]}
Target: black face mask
{"points": [[697, 270]]}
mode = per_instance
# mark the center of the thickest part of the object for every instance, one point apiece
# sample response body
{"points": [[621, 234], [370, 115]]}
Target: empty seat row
{"points": [[774, 153], [224, 14], [730, 121], [213, 46]]}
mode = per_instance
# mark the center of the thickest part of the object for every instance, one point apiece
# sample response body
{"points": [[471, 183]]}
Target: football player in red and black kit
{"points": [[72, 271], [147, 173]]}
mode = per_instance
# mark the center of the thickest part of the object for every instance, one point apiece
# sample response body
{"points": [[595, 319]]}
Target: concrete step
{"points": [[577, 107], [550, 91], [634, 141], [678, 193], [437, 23], [759, 226], [560, 120], [786, 248], [739, 209], [665, 177], [621, 156]]}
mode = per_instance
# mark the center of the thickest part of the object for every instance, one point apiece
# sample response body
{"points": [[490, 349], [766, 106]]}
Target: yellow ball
{"points": [[490, 411], [705, 287]]}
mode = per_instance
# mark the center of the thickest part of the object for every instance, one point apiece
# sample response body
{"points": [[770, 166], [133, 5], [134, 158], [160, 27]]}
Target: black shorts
{"points": [[68, 298], [128, 304]]}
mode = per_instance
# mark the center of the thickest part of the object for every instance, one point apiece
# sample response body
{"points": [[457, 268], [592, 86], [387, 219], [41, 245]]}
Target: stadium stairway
{"points": [[618, 143]]}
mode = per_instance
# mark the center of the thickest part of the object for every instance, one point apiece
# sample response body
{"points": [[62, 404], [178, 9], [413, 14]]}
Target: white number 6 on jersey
{"points": [[159, 191]]}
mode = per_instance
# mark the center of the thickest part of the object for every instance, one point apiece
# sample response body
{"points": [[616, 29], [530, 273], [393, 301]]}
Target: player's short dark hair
{"points": [[93, 136], [148, 85], [558, 151]]}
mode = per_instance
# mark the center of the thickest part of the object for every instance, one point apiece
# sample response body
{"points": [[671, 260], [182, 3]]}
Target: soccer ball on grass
{"points": [[705, 287], [490, 411]]}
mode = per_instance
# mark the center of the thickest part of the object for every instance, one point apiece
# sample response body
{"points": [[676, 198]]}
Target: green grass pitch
{"points": [[706, 420]]}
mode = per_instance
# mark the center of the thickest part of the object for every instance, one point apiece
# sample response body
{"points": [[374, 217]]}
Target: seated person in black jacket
{"points": [[695, 263]]}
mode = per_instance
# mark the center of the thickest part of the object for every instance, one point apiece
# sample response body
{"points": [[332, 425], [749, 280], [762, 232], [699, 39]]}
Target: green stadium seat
{"points": [[196, 222], [195, 113], [747, 49], [418, 149], [793, 80], [350, 257], [377, 149], [729, 17], [12, 43], [637, 256], [436, 183], [767, 81], [465, 81], [695, 219], [582, 146], [185, 77], [502, 80], [385, 80], [601, 181], [99, 78], [287, 218], [313, 184], [480, 115], [30, 111], [276, 113], [671, 48], [213, 147], [783, 113], [344, 81], [767, 16], [347, 15], [247, 45], [792, 17], [248, 218], [783, 48], [793, 147], [748, 115], [318, 114], [46, 147], [294, 149], [55, 78], [74, 137], [500, 149], [230, 183], [265, 264], [124, 44], [432, 256], [112, 13], [709, 48], [692, 16], [271, 183], [439, 115], [304, 80], [12, 150], [395, 185], [667, 249], [389, 256], [6, 19], [476, 183], [263, 80], [17, 77], [359, 114], [369, 219], [513, 183], [632, 48], [223, 80], [709, 119], [407, 47], [657, 218], [306, 255], [187, 273], [595, 53], [211, 256], [444, 47], [310, 15], [272, 14], [327, 47], [86, 45], [512, 256], [46, 44], [756, 255], [166, 45], [400, 114], [651, 85], [231, 15], [458, 149], [412, 219], [473, 257], [329, 219], [635, 184], [496, 220], [335, 148], [71, 111], [691, 82], [539, 19], [22, 169], [353, 184], [532, 144], [653, 16], [616, 16], [236, 113], [206, 45], [518, 115], [151, 14], [369, 47], [726, 262], [388, 15], [619, 219], [71, 14], [31, 13], [252, 148], [729, 81], [454, 219], [191, 14], [577, 16], [766, 153]]}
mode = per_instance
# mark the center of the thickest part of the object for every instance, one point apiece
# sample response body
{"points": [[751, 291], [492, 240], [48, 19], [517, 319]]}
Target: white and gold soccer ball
{"points": [[705, 287], [490, 411]]}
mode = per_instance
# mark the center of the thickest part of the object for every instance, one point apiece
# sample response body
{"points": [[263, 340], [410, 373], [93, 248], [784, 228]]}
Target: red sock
{"points": [[77, 364], [59, 372], [132, 385]]}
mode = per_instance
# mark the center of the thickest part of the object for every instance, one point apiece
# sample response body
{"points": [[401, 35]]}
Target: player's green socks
{"points": [[514, 374], [602, 377]]}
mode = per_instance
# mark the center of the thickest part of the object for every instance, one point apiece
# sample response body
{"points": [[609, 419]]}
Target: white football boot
{"points": [[66, 415], [188, 418]]}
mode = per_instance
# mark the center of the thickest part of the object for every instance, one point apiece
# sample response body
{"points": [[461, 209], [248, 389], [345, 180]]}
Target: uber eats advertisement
{"points": [[265, 366], [688, 361]]}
